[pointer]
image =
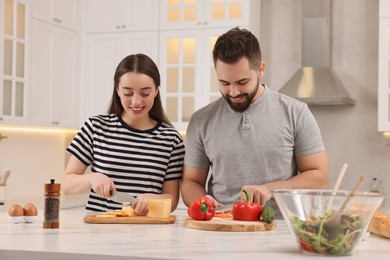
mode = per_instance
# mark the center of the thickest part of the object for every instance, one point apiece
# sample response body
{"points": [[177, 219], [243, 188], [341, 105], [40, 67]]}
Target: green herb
{"points": [[340, 240]]}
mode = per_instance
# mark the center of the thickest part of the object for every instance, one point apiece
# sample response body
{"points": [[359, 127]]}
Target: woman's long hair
{"points": [[139, 63]]}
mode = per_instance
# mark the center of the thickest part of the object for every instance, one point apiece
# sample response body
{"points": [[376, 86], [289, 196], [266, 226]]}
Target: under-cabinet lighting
{"points": [[38, 129], [52, 130], [387, 137], [182, 133]]}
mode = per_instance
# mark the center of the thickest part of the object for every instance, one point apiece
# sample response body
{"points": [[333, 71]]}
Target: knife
{"points": [[224, 208], [122, 197]]}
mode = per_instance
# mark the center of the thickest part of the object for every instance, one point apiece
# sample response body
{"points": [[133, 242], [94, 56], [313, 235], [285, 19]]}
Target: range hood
{"points": [[315, 83]]}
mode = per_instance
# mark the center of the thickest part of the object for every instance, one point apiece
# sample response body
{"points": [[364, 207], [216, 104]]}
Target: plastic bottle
{"points": [[52, 205], [375, 186]]}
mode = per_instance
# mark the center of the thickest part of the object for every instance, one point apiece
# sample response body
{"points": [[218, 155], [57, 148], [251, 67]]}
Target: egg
{"points": [[30, 210], [15, 210]]}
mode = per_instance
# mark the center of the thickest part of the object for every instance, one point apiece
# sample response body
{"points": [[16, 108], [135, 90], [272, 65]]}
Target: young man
{"points": [[251, 138]]}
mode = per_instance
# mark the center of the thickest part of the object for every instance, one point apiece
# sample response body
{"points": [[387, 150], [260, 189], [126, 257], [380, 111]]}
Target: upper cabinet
{"points": [[187, 73], [55, 63], [114, 29], [384, 8], [54, 79], [14, 50], [63, 13], [121, 15], [104, 51], [184, 14], [384, 66], [188, 78]]}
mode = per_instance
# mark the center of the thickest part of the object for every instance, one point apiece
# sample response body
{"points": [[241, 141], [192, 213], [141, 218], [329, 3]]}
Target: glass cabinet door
{"points": [[13, 68], [181, 14], [226, 13], [210, 90], [180, 85], [188, 78]]}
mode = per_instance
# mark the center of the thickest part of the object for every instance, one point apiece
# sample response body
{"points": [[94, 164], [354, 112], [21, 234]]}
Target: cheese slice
{"points": [[159, 208], [129, 211], [120, 213], [105, 216]]}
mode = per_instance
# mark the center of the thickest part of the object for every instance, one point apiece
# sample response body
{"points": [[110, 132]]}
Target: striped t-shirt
{"points": [[137, 161]]}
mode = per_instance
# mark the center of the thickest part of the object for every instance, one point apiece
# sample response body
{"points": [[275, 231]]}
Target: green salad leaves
{"points": [[315, 238]]}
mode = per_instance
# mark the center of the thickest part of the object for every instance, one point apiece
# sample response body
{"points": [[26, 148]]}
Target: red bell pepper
{"points": [[201, 209], [246, 210]]}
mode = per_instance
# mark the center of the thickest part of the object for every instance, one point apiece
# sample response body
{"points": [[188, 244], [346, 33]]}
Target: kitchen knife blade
{"points": [[224, 208], [122, 197]]}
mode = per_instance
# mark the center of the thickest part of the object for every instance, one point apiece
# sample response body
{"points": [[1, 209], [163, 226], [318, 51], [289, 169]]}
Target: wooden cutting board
{"points": [[228, 224], [129, 220]]}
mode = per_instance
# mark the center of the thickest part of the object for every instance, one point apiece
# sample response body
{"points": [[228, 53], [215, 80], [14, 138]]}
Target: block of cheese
{"points": [[129, 211], [159, 208], [380, 224]]}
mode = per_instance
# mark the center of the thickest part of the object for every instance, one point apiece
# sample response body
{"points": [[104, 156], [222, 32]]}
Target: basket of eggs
{"points": [[17, 213]]}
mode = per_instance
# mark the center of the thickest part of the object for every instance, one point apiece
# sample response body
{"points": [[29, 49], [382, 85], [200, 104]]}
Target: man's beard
{"points": [[242, 106]]}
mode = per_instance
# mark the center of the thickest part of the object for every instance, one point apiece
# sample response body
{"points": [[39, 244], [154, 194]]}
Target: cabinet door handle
{"points": [[118, 26], [1, 118], [123, 26], [55, 123]]}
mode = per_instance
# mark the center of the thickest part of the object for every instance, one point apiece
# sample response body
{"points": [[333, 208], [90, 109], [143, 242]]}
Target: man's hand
{"points": [[216, 204], [258, 193]]}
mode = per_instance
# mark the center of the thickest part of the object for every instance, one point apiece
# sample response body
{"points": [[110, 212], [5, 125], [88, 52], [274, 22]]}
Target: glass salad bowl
{"points": [[307, 213]]}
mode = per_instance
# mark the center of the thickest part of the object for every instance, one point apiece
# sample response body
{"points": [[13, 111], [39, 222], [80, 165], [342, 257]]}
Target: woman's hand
{"points": [[101, 184], [141, 207]]}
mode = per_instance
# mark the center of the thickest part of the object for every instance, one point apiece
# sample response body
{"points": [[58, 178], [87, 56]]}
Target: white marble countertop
{"points": [[78, 240]]}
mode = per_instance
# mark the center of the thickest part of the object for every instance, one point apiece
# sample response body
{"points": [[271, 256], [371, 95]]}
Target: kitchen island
{"points": [[78, 240]]}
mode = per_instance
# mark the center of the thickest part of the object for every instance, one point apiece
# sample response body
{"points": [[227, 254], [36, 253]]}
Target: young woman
{"points": [[132, 149]]}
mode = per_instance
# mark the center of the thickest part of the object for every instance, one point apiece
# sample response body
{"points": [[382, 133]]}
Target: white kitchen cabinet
{"points": [[121, 15], [187, 72], [190, 14], [14, 50], [384, 75], [384, 8], [63, 13], [185, 56], [54, 76], [103, 53], [384, 66]]}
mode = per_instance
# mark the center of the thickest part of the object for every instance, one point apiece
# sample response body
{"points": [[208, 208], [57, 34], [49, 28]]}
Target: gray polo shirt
{"points": [[254, 147]]}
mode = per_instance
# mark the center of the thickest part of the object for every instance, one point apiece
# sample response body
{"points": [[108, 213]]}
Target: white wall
{"points": [[349, 132], [34, 157]]}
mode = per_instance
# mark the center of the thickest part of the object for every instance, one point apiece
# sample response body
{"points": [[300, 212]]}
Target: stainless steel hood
{"points": [[315, 83]]}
